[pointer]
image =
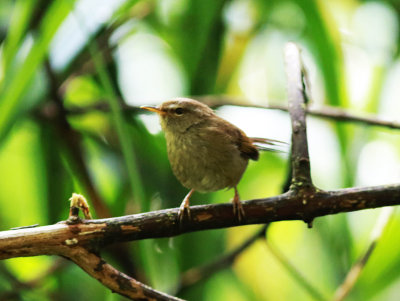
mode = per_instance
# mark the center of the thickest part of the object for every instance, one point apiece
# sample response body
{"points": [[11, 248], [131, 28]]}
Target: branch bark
{"points": [[110, 277], [95, 234], [301, 170]]}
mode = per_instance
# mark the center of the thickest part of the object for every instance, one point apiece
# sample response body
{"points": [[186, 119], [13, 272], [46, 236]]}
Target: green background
{"points": [[63, 62]]}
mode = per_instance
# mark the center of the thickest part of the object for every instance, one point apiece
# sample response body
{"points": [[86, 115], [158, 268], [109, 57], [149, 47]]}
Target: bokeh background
{"points": [[72, 74]]}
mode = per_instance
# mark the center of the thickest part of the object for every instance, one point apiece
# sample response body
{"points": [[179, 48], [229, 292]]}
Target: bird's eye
{"points": [[178, 111]]}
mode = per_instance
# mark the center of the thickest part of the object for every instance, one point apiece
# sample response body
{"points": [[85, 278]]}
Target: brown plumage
{"points": [[206, 152]]}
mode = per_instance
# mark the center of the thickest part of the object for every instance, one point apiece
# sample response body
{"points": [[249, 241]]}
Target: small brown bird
{"points": [[206, 152]]}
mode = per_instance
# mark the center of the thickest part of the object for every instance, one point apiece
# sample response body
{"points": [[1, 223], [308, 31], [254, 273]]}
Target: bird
{"points": [[206, 152]]}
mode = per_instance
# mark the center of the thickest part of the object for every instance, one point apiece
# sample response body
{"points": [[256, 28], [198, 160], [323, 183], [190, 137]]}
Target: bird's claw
{"points": [[184, 210], [238, 210]]}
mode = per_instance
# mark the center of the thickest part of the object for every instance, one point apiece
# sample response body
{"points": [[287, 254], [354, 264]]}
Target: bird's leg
{"points": [[185, 206], [238, 210]]}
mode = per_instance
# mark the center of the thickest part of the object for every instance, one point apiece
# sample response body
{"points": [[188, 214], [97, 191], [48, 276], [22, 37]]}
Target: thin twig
{"points": [[294, 272], [327, 112], [322, 111], [17, 285], [198, 274], [352, 276]]}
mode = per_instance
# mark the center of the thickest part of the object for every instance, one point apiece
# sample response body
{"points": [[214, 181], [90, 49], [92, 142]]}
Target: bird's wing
{"points": [[221, 132], [247, 148]]}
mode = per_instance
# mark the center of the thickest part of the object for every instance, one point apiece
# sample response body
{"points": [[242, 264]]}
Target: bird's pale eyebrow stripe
{"points": [[173, 107]]}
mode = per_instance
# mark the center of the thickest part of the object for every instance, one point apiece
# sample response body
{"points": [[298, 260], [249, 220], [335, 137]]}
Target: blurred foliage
{"points": [[60, 59]]}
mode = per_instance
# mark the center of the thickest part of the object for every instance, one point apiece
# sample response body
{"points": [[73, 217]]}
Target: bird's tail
{"points": [[271, 145]]}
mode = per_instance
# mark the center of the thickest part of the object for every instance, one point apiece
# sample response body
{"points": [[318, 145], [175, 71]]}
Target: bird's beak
{"points": [[153, 109]]}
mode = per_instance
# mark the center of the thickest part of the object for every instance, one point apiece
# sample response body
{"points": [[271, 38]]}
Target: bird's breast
{"points": [[203, 164]]}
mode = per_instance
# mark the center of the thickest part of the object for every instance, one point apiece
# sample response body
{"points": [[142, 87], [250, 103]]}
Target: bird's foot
{"points": [[238, 210], [184, 209]]}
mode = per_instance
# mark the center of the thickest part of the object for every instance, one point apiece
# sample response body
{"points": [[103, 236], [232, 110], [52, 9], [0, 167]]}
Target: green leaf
{"points": [[22, 14], [199, 45], [12, 93], [325, 45]]}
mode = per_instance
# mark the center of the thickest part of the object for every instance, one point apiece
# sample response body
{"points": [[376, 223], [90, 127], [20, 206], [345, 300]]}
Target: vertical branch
{"points": [[301, 174]]}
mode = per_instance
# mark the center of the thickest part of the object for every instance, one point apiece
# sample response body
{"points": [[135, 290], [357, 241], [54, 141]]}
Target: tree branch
{"points": [[354, 273], [94, 234], [110, 277], [17, 286], [327, 112], [301, 170], [295, 273], [197, 274]]}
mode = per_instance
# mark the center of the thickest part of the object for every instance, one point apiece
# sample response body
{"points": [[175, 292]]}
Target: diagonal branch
{"points": [[197, 274], [294, 272], [110, 277], [352, 276], [17, 286]]}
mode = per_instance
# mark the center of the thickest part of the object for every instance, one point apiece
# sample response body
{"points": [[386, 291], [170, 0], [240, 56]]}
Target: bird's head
{"points": [[179, 114]]}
